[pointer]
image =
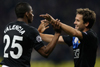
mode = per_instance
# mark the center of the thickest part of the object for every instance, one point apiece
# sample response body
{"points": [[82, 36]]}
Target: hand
{"points": [[43, 26], [48, 17], [56, 26]]}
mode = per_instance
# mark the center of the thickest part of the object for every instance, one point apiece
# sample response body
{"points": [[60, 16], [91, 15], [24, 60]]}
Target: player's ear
{"points": [[26, 13], [86, 24]]}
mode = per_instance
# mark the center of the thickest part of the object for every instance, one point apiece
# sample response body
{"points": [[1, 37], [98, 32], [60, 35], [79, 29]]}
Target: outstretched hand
{"points": [[48, 17], [43, 26], [55, 23]]}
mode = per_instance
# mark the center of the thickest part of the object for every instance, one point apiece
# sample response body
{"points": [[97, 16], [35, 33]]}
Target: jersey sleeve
{"points": [[36, 40], [67, 39], [88, 37]]}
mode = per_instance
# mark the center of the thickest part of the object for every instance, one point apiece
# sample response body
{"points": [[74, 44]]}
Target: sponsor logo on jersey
{"points": [[76, 53], [38, 38]]}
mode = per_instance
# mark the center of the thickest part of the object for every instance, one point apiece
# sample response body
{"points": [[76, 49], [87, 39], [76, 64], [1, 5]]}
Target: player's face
{"points": [[30, 15], [79, 25]]}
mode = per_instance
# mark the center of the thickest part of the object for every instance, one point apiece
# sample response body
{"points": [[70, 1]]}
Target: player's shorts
{"points": [[5, 66]]}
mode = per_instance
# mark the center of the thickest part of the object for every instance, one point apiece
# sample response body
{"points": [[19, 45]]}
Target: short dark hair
{"points": [[21, 8], [88, 16]]}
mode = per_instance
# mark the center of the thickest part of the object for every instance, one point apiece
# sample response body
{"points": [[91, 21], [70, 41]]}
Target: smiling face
{"points": [[79, 25]]}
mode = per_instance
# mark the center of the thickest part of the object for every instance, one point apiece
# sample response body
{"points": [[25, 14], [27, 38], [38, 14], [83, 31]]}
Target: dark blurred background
{"points": [[65, 10]]}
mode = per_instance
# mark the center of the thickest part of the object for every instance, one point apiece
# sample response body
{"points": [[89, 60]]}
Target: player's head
{"points": [[86, 17], [23, 9]]}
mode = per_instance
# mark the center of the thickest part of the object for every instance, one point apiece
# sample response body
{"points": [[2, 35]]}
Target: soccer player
{"points": [[20, 39], [82, 37]]}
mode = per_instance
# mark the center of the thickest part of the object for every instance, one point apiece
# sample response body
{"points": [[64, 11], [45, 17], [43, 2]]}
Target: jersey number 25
{"points": [[13, 45]]}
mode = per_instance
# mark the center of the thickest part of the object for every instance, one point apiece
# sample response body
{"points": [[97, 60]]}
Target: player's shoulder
{"points": [[9, 23], [91, 33], [33, 29], [30, 29], [26, 26]]}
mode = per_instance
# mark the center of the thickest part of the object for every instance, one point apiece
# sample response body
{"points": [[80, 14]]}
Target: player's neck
{"points": [[22, 19], [86, 29]]}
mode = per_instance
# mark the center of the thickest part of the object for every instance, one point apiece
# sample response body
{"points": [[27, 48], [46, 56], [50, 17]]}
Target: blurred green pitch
{"points": [[62, 64]]}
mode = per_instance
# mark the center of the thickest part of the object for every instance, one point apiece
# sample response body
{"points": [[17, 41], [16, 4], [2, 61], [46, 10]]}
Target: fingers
{"points": [[43, 15], [46, 16], [57, 26], [49, 19], [43, 26], [45, 22], [47, 27]]}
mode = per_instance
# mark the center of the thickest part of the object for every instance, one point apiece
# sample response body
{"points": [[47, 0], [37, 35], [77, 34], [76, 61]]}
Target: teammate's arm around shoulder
{"points": [[46, 50]]}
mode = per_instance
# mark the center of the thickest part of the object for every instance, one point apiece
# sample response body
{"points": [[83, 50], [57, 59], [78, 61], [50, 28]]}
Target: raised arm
{"points": [[47, 37], [46, 50], [71, 31], [66, 28]]}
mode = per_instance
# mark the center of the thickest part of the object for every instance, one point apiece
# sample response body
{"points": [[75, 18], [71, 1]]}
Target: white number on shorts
{"points": [[13, 45]]}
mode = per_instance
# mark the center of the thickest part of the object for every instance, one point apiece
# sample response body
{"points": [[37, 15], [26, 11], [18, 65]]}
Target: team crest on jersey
{"points": [[38, 38], [75, 42]]}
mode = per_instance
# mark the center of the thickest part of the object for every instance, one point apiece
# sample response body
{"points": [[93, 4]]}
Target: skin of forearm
{"points": [[46, 37], [52, 44], [68, 29]]}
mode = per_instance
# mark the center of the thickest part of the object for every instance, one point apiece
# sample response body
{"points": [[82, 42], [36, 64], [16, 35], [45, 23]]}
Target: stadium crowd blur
{"points": [[65, 10]]}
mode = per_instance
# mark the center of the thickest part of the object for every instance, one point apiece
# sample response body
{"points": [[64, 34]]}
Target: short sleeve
{"points": [[86, 36], [36, 40], [67, 39], [89, 38]]}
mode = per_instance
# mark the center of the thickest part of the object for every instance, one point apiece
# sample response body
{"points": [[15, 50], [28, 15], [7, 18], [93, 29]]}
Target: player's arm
{"points": [[71, 31], [66, 28], [47, 37], [46, 50]]}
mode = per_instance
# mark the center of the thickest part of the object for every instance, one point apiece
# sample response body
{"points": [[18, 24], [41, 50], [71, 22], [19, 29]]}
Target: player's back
{"points": [[18, 47]]}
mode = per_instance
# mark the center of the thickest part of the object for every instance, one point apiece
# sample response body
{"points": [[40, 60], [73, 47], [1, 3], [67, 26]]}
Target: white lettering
{"points": [[15, 27], [76, 53]]}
